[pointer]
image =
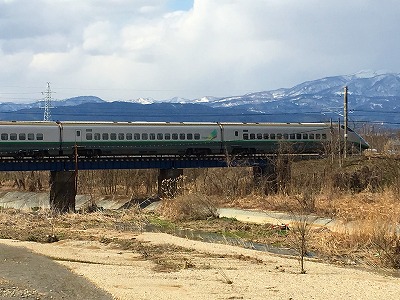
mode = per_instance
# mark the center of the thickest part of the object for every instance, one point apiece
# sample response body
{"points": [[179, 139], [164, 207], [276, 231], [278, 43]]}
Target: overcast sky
{"points": [[126, 49]]}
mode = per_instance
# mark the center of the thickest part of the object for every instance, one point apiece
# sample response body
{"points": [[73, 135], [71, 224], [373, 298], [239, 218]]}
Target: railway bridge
{"points": [[64, 170]]}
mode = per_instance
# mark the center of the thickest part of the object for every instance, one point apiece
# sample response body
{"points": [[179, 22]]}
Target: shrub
{"points": [[189, 207]]}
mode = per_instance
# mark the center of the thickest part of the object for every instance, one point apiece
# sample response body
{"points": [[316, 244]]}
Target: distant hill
{"points": [[373, 98]]}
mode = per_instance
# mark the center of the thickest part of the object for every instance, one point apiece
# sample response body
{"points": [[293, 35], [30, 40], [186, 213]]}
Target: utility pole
{"points": [[345, 121], [47, 103]]}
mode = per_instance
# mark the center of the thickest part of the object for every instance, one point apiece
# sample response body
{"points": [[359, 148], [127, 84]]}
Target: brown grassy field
{"points": [[364, 191]]}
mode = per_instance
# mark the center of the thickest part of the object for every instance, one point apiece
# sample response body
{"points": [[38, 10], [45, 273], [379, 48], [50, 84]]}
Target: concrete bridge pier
{"points": [[62, 191], [169, 182]]}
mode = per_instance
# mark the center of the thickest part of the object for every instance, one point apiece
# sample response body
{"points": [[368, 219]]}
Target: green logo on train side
{"points": [[213, 135]]}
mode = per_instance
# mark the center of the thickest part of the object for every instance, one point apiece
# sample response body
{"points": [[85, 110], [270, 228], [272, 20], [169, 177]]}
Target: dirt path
{"points": [[209, 271], [26, 275]]}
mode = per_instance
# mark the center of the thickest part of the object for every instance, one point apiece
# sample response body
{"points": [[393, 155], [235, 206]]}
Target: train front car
{"points": [[356, 142], [248, 138]]}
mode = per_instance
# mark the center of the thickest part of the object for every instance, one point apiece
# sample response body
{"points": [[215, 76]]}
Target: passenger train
{"points": [[39, 139]]}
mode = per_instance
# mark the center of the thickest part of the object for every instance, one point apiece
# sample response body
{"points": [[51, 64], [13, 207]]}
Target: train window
{"points": [[104, 136], [252, 136], [318, 136], [152, 136], [113, 136], [97, 136], [236, 133], [145, 136], [121, 136], [324, 136], [22, 136], [31, 136], [245, 136], [279, 136], [160, 136], [167, 136], [78, 133], [292, 136], [305, 136], [272, 136], [4, 136], [189, 136], [136, 136], [265, 136], [129, 136], [285, 136], [259, 136], [13, 136], [298, 136], [311, 136], [39, 136], [89, 136], [182, 136], [174, 136], [197, 136]]}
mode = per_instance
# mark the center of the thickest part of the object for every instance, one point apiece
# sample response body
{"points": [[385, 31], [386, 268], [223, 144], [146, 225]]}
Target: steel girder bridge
{"points": [[130, 162]]}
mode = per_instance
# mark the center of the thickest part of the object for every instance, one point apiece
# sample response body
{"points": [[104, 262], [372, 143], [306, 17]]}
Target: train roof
{"points": [[44, 123], [142, 123]]}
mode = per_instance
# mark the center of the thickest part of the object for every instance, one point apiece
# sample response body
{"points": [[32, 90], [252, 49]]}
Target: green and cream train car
{"points": [[19, 139]]}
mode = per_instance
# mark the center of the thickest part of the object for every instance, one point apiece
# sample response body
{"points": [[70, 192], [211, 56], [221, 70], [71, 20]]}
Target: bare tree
{"points": [[302, 222]]}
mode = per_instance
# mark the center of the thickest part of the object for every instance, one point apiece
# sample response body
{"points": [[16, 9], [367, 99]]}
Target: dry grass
{"points": [[362, 206], [44, 226], [189, 207], [363, 191], [226, 183], [372, 242]]}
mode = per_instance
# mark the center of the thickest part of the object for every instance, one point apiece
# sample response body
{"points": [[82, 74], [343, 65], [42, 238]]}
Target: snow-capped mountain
{"points": [[378, 85], [205, 99], [373, 97]]}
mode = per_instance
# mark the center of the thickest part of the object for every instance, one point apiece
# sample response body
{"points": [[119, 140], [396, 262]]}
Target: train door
{"points": [[79, 149], [78, 136]]}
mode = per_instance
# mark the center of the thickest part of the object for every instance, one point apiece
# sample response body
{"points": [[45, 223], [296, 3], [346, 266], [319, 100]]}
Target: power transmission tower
{"points": [[47, 103]]}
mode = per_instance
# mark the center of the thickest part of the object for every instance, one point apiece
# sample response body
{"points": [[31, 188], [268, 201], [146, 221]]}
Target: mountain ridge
{"points": [[374, 97]]}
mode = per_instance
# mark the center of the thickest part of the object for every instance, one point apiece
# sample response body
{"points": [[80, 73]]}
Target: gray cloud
{"points": [[125, 49]]}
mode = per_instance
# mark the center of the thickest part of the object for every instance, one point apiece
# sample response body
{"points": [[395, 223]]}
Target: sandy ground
{"points": [[212, 271]]}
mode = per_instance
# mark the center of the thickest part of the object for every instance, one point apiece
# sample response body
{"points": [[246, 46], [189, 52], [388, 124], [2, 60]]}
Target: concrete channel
{"points": [[33, 200], [274, 217]]}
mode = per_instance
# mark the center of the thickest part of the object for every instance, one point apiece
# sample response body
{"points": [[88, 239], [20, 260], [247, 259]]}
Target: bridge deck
{"points": [[135, 162]]}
